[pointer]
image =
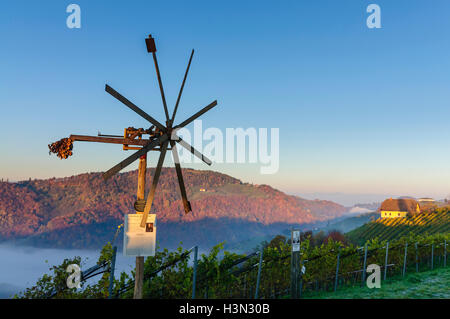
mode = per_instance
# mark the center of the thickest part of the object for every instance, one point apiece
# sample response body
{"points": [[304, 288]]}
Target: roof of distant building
{"points": [[399, 205]]}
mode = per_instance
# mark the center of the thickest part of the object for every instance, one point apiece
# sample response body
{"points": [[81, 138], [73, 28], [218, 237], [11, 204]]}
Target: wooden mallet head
{"points": [[150, 42]]}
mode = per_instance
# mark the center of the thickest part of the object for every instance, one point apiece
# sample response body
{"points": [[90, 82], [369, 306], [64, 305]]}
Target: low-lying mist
{"points": [[21, 266]]}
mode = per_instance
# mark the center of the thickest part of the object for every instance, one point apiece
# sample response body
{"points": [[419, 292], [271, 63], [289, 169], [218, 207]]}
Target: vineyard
{"points": [[392, 228], [265, 273]]}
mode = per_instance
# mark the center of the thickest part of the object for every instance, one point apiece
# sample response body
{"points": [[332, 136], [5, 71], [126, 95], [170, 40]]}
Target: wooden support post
{"points": [[404, 259], [139, 276], [386, 260], [363, 277]]}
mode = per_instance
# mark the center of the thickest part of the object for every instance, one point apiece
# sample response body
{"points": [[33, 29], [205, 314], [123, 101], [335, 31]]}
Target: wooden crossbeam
{"points": [[110, 140]]}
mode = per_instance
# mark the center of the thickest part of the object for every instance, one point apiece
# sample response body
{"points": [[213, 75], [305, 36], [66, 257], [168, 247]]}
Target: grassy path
{"points": [[433, 284]]}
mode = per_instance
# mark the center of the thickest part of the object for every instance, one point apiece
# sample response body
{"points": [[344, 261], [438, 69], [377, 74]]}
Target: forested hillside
{"points": [[84, 210]]}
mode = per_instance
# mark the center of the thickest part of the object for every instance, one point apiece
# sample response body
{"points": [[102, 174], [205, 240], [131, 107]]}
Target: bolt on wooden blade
{"points": [[135, 108], [151, 145], [151, 195]]}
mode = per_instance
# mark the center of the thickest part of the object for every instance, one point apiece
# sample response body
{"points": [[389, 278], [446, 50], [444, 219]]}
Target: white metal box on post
{"points": [[137, 240]]}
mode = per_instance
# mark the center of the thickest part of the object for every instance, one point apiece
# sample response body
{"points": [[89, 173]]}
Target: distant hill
{"points": [[84, 210], [390, 228]]}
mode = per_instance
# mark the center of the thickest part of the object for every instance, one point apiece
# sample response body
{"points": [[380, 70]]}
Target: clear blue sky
{"points": [[359, 110]]}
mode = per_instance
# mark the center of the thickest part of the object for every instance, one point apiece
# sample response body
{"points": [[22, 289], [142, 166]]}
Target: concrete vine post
{"points": [[363, 277], [295, 262], [432, 256], [404, 259], [445, 253], [417, 259], [194, 275], [337, 270], [258, 279], [386, 260], [301, 279], [111, 272]]}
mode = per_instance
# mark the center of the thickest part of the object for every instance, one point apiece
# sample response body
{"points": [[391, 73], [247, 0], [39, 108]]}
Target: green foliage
{"points": [[55, 284], [172, 282], [52, 284], [222, 274]]}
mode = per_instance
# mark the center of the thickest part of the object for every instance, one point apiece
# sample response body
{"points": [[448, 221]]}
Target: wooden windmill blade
{"points": [[135, 108], [191, 149], [196, 115], [151, 145], [151, 195], [176, 160], [182, 86], [151, 48]]}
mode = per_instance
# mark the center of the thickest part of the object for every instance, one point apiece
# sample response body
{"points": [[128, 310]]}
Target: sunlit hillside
{"points": [[434, 222]]}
